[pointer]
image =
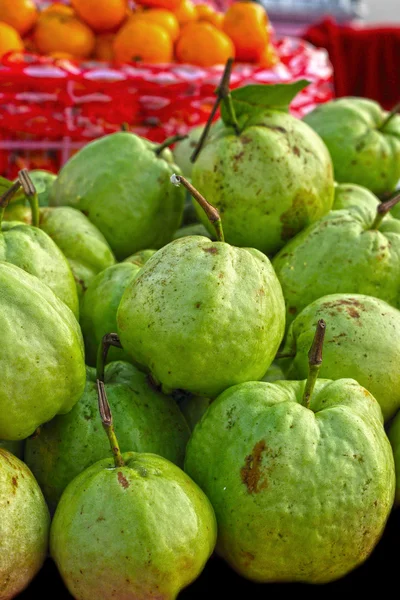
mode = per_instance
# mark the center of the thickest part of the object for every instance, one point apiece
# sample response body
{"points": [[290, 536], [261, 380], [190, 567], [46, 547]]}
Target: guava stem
{"points": [[6, 197], [314, 362], [223, 95], [383, 210], [211, 212], [110, 339], [390, 116], [168, 142], [31, 194], [124, 127], [107, 421]]}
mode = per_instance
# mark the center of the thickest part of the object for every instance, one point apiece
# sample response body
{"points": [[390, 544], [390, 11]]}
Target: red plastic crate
{"points": [[49, 107]]}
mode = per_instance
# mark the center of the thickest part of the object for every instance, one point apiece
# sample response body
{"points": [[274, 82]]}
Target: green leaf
{"points": [[256, 99]]}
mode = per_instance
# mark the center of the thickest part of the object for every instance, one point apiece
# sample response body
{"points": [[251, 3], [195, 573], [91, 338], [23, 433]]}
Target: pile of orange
{"points": [[157, 31]]}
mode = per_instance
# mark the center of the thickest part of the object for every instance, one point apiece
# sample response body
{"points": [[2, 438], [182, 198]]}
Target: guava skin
{"points": [[193, 408], [43, 181], [360, 152], [300, 495], [362, 341], [349, 195], [394, 438], [145, 421], [140, 258], [85, 248], [24, 526], [34, 251], [42, 355], [202, 316], [184, 149], [268, 183], [99, 309], [124, 189], [193, 229], [341, 253], [140, 531]]}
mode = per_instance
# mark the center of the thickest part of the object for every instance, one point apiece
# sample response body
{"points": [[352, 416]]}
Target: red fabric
{"points": [[366, 60]]}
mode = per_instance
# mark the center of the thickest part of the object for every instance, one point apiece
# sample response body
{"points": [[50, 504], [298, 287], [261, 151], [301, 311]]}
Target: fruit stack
{"points": [[153, 31], [203, 355]]}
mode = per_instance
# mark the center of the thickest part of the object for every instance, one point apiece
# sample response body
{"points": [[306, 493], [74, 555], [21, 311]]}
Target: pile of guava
{"points": [[200, 352]]}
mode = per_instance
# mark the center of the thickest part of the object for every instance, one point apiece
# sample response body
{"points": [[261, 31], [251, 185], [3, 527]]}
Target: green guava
{"points": [[43, 182], [274, 373], [141, 530], [99, 308], [42, 354], [183, 150], [202, 316], [363, 143], [82, 244], [121, 183], [362, 341], [193, 408], [146, 421], [269, 174], [192, 229], [35, 252], [347, 251], [24, 526], [140, 258], [300, 494]]}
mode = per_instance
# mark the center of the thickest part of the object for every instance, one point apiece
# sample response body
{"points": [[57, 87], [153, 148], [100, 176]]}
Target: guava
{"points": [[354, 250], [305, 483], [363, 141], [121, 183], [140, 258], [192, 229], [183, 150], [31, 249], [24, 526], [99, 308], [146, 421], [193, 408], [202, 316], [362, 341], [133, 527], [268, 174], [43, 182], [42, 354]]}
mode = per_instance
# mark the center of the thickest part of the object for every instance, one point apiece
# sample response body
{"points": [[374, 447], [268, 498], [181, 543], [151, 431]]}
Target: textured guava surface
{"points": [[299, 494], [42, 355], [144, 419], [24, 526], [361, 151], [124, 188], [144, 530], [99, 308], [202, 316], [268, 183], [362, 341], [341, 253]]}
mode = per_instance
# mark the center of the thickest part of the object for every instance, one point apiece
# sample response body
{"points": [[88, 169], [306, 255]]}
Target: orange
{"points": [[268, 57], [206, 13], [101, 15], [20, 14], [246, 24], [56, 32], [168, 4], [140, 40], [60, 8], [9, 39], [164, 18], [186, 12], [203, 45], [104, 49]]}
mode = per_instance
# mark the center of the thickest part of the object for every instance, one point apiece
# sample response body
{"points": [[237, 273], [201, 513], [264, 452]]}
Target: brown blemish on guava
{"points": [[123, 480], [101, 518], [251, 473], [349, 305], [198, 304], [292, 310], [296, 217], [276, 128], [296, 151], [15, 481], [211, 250], [248, 557]]}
